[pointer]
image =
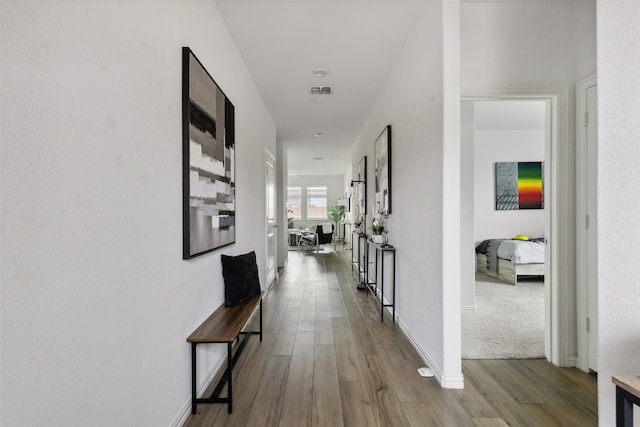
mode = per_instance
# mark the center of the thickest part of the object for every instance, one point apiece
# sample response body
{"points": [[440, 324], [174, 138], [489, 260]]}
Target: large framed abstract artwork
{"points": [[208, 161], [519, 185], [383, 171]]}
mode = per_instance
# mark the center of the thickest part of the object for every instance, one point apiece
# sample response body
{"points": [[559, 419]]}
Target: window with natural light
{"points": [[294, 202], [317, 202]]}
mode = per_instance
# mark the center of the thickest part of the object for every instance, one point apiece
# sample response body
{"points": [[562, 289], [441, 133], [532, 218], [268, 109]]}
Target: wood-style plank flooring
{"points": [[327, 360]]}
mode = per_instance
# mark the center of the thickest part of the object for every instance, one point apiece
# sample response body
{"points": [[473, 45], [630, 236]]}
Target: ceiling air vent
{"points": [[320, 90]]}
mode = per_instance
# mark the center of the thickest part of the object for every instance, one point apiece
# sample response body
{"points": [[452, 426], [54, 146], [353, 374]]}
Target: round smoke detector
{"points": [[320, 72]]}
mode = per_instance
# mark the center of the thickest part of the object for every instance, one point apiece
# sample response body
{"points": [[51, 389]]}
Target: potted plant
{"points": [[377, 228], [336, 214], [357, 225]]}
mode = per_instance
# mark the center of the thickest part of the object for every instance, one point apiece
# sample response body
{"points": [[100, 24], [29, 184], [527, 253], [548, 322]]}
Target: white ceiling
{"points": [[283, 41]]}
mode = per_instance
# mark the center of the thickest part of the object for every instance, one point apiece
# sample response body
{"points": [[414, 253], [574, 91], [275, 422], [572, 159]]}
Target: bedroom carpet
{"points": [[508, 323]]}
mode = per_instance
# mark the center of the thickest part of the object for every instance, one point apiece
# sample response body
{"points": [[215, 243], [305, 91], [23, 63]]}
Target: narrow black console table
{"points": [[376, 286]]}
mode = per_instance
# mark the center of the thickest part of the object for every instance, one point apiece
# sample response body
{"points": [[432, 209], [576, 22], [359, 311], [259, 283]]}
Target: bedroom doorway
{"points": [[552, 103]]}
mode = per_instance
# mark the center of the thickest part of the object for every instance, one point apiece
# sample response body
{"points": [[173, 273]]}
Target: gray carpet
{"points": [[508, 323]]}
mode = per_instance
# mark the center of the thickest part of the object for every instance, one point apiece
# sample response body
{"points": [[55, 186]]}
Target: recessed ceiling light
{"points": [[318, 158], [320, 72], [318, 134]]}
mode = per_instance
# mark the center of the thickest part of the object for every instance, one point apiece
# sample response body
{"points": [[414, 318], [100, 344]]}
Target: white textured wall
{"points": [[526, 43], [411, 101], [96, 299], [492, 146], [618, 201]]}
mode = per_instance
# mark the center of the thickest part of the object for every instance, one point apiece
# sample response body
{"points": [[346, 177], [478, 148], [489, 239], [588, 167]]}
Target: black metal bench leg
{"points": [[194, 403], [260, 320], [229, 385]]}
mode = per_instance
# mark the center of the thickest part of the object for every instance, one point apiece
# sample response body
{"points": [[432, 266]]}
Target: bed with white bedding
{"points": [[508, 259]]}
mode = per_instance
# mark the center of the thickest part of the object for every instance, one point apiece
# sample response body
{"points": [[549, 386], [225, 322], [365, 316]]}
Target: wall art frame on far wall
{"points": [[383, 171], [208, 161], [519, 185]]}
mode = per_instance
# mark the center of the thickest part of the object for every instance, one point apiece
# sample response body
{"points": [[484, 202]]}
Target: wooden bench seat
{"points": [[223, 326]]}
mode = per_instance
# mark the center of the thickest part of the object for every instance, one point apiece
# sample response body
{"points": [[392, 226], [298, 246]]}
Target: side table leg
{"points": [[381, 283], [229, 381], [624, 409], [194, 403], [393, 283]]}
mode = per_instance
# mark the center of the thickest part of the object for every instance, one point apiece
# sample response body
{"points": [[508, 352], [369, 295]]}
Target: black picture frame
{"points": [[383, 171], [510, 194], [360, 189], [208, 161]]}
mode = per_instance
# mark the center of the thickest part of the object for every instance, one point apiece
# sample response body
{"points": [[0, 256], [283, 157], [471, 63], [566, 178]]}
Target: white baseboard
{"points": [[448, 381], [184, 413], [468, 308]]}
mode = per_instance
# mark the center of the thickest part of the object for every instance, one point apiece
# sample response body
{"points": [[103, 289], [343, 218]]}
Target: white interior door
{"points": [[591, 228], [272, 226], [586, 234]]}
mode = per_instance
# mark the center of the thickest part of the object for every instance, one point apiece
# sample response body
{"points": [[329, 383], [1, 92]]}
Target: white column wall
{"points": [[421, 107], [618, 201]]}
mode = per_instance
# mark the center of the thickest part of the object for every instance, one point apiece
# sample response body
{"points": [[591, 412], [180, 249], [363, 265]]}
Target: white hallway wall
{"points": [[501, 45], [96, 299], [618, 204], [413, 102]]}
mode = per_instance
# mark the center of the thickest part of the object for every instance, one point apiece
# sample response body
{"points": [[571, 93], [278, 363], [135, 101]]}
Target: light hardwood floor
{"points": [[327, 360]]}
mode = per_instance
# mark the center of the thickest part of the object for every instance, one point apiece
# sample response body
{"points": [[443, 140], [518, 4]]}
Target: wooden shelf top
{"points": [[225, 323], [628, 383]]}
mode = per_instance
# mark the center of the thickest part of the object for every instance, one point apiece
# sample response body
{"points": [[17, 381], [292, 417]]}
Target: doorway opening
{"points": [[555, 125]]}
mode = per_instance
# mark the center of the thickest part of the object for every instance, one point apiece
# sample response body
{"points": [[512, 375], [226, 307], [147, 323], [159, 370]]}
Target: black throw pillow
{"points": [[240, 275]]}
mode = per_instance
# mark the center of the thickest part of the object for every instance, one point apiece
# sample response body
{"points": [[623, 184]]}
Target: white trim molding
{"points": [[557, 300], [446, 381], [582, 291]]}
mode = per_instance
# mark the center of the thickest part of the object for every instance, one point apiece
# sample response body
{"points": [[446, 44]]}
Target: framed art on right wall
{"points": [[383, 171], [359, 195]]}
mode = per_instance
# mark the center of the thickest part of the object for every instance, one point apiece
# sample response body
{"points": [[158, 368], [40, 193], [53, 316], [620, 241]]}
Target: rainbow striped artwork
{"points": [[519, 185]]}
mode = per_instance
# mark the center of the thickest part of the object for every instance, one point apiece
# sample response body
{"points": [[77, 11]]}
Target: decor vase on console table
{"points": [[378, 239]]}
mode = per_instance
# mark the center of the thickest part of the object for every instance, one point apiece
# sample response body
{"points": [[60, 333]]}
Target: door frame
{"points": [[557, 319], [269, 158], [582, 284]]}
